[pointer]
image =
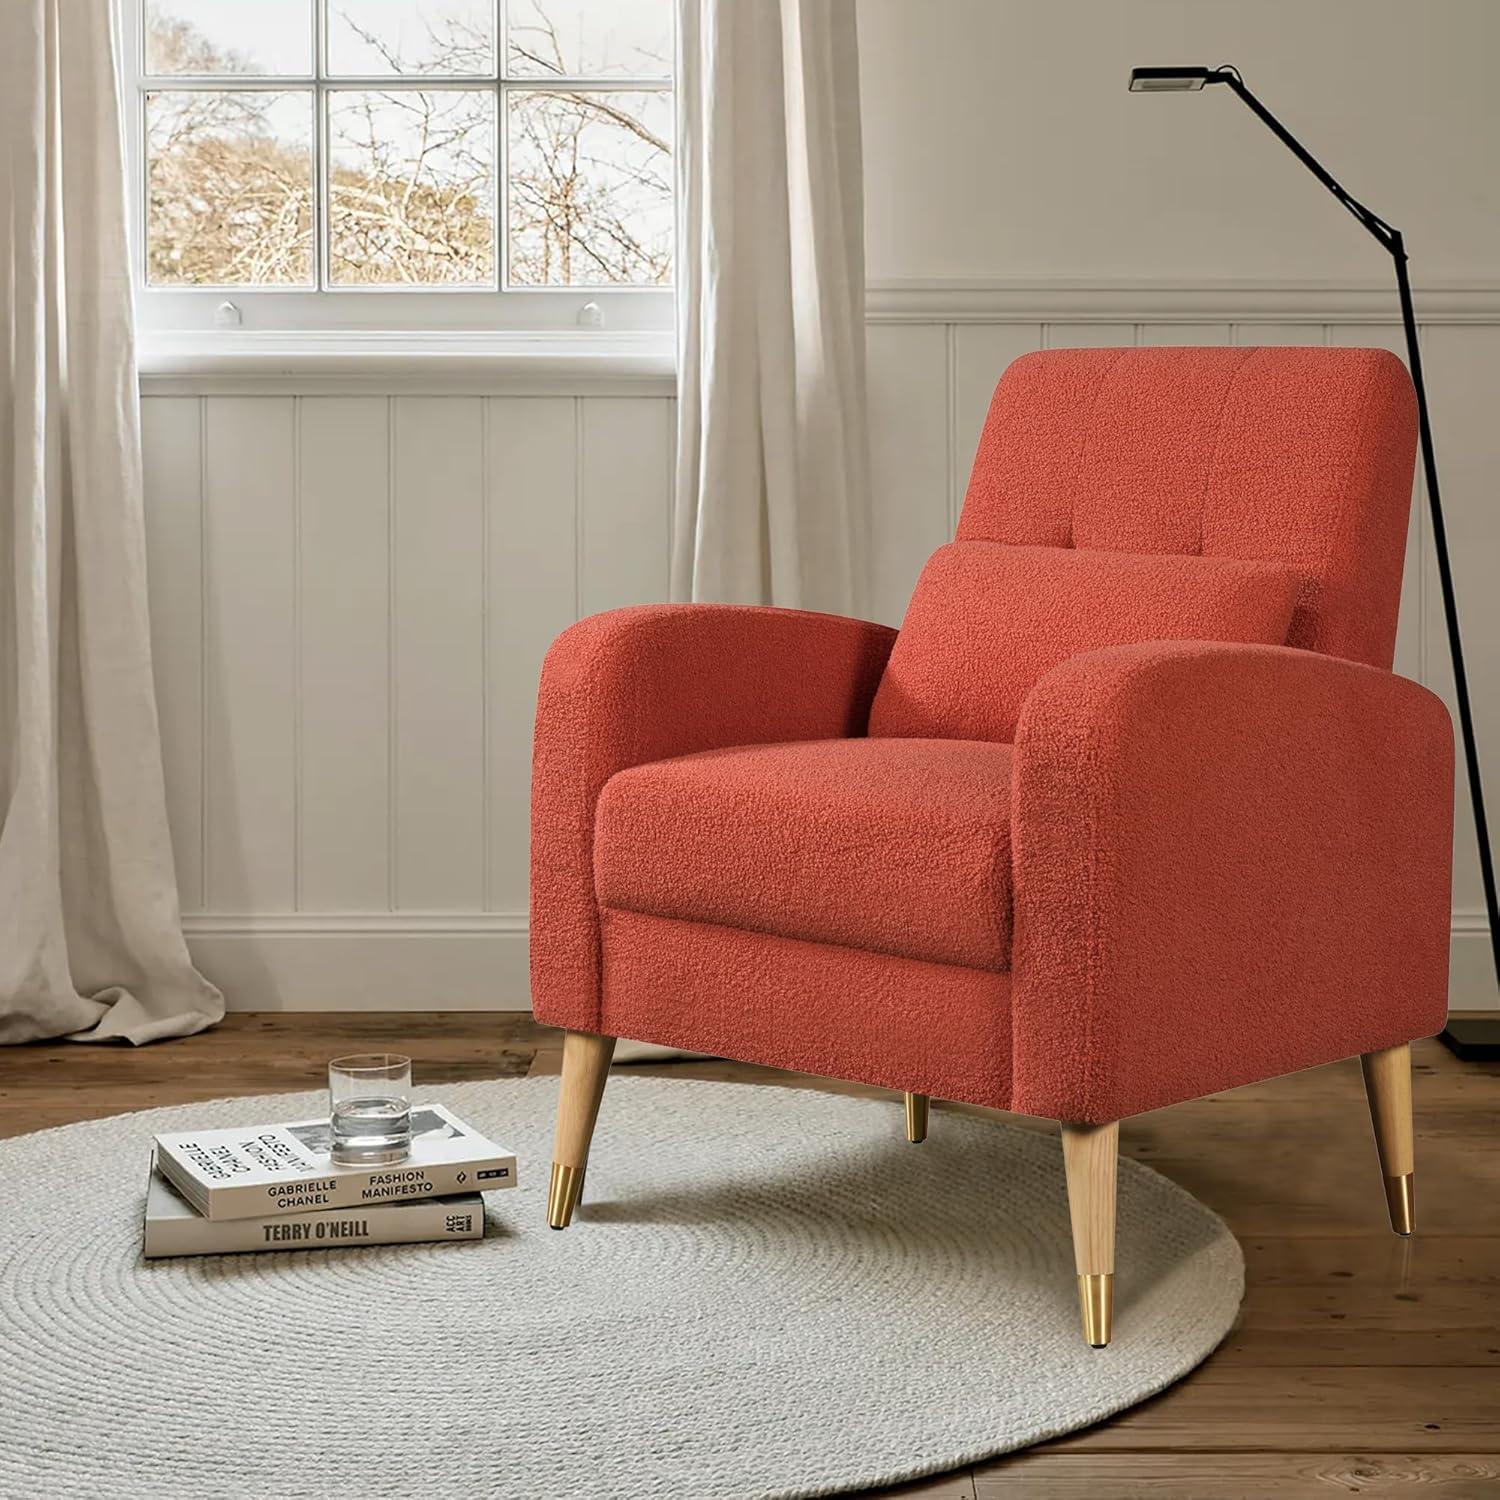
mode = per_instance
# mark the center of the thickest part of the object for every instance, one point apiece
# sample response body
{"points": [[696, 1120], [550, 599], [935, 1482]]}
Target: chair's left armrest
{"points": [[1231, 862], [637, 685]]}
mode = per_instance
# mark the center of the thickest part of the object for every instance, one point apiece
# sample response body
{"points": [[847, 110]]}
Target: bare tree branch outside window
{"points": [[413, 196]]}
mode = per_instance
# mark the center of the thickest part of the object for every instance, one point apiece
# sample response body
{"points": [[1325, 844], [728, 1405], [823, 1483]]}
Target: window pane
{"points": [[411, 187], [590, 38], [229, 188], [229, 36], [590, 188], [368, 38]]}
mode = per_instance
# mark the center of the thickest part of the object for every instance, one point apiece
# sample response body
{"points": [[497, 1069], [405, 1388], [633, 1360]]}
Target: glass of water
{"points": [[370, 1094]]}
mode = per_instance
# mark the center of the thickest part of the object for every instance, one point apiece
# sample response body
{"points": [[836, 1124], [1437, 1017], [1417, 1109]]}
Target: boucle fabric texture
{"points": [[639, 685], [910, 839], [1300, 456], [765, 1293], [1231, 862], [988, 621], [922, 1027], [1227, 860]]}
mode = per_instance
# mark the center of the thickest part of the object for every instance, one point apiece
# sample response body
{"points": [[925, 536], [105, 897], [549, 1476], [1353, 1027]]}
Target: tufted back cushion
{"points": [[1298, 456]]}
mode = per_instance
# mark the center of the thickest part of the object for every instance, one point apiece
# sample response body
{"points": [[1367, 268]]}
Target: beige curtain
{"points": [[771, 498], [90, 937]]}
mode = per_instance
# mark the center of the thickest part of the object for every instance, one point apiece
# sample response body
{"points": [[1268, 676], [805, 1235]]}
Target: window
{"points": [[326, 149]]}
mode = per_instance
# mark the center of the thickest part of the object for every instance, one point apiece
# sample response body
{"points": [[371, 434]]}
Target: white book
{"points": [[258, 1171], [173, 1227]]}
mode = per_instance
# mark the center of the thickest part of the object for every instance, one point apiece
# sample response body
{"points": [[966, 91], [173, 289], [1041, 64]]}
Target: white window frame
{"points": [[327, 309]]}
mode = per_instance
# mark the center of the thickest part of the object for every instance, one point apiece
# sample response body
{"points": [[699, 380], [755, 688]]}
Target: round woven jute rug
{"points": [[767, 1292]]}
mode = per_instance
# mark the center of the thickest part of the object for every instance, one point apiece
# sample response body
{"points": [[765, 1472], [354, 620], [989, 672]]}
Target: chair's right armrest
{"points": [[1231, 862], [637, 685]]}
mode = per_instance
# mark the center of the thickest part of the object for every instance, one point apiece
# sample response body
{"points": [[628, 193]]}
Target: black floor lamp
{"points": [[1467, 1036]]}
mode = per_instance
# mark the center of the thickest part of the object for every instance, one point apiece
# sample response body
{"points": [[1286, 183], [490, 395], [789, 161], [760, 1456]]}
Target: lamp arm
{"points": [[1373, 223]]}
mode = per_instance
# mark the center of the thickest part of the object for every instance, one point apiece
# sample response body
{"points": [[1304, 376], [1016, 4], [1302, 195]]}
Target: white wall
{"points": [[1000, 140], [353, 581]]}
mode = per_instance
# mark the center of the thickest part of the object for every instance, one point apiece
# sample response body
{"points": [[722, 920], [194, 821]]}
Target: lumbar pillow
{"points": [[988, 620]]}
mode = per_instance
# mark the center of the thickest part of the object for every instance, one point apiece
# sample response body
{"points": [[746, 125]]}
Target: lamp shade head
{"points": [[1169, 80]]}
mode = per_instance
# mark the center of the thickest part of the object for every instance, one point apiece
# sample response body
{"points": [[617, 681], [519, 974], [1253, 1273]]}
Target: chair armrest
{"points": [[636, 685], [1231, 862]]}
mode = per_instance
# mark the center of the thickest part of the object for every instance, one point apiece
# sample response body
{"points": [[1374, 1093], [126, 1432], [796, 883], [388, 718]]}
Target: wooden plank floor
{"points": [[1361, 1363]]}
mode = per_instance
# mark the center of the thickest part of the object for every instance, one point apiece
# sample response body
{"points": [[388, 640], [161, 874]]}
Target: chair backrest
{"points": [[1302, 456]]}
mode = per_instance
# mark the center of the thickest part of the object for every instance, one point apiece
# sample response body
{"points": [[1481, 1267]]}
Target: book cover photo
{"points": [[263, 1170]]}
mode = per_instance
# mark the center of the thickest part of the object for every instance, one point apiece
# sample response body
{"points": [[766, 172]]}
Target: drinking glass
{"points": [[370, 1095]]}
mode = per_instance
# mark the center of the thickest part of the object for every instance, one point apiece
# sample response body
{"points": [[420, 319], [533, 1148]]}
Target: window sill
{"points": [[352, 362]]}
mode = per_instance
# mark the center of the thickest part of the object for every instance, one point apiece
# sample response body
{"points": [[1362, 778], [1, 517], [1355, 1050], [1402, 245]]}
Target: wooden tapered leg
{"points": [[1089, 1157], [1388, 1088], [916, 1118], [585, 1068]]}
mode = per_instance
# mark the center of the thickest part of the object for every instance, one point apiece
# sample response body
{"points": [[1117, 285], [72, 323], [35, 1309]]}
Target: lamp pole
{"points": [[1469, 1037]]}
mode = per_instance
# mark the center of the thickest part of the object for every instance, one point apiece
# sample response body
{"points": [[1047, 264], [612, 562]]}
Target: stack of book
{"points": [[274, 1187]]}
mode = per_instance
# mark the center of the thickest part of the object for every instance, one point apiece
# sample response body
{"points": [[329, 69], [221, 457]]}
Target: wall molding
{"points": [[354, 361], [354, 923], [1471, 963], [399, 961], [428, 961], [1135, 300], [336, 362]]}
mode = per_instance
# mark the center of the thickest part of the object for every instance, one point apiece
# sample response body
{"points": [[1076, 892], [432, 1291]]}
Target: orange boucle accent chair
{"points": [[1131, 810]]}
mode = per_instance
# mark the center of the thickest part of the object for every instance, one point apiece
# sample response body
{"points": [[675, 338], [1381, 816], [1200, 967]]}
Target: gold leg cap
{"points": [[1398, 1198], [916, 1118], [1096, 1298], [563, 1193]]}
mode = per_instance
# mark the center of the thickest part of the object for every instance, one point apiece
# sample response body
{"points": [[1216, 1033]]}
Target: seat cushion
{"points": [[897, 846], [988, 621]]}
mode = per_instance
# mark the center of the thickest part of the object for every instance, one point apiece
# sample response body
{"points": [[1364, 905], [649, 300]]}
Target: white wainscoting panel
{"points": [[351, 598], [625, 478], [1088, 335], [250, 649], [1155, 334], [344, 575], [910, 376], [1462, 365], [438, 630], [533, 592], [172, 444], [353, 588]]}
